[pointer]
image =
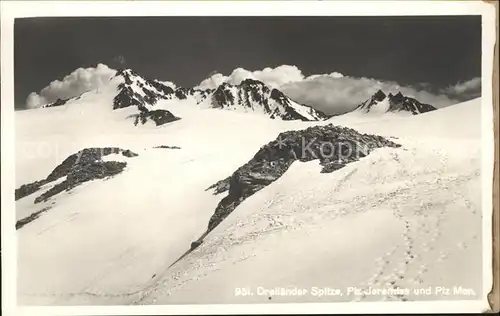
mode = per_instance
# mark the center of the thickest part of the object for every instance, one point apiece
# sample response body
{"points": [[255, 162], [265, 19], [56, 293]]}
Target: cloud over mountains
{"points": [[465, 90], [332, 93], [72, 85], [273, 77], [338, 95]]}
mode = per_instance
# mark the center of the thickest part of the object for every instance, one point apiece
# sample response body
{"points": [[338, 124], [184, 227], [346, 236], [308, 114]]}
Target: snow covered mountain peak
{"points": [[382, 103], [254, 96], [126, 73], [138, 91]]}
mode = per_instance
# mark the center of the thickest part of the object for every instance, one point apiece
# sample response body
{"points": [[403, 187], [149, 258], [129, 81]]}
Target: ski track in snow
{"points": [[408, 217], [420, 222]]}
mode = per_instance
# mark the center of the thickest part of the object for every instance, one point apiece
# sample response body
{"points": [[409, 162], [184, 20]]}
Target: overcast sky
{"points": [[435, 53]]}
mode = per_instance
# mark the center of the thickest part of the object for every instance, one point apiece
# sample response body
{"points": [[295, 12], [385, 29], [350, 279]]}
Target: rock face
{"points": [[159, 117], [167, 147], [399, 102], [195, 244], [200, 95], [127, 97], [58, 102], [333, 146], [254, 96], [78, 168], [394, 103], [220, 186], [28, 189], [138, 91], [20, 223], [144, 94]]}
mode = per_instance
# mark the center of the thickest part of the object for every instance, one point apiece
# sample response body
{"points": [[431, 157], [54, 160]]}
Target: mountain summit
{"points": [[382, 103], [254, 96]]}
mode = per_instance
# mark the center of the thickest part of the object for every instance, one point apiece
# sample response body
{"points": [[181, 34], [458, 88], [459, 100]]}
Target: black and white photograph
{"points": [[191, 159]]}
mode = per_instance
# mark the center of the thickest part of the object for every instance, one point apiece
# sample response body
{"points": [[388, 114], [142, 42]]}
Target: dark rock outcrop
{"points": [[379, 95], [221, 186], [222, 96], [20, 223], [58, 102], [165, 90], [199, 94], [181, 93], [159, 117], [83, 173], [80, 167], [30, 188], [399, 102], [195, 244], [333, 146], [167, 147], [126, 97]]}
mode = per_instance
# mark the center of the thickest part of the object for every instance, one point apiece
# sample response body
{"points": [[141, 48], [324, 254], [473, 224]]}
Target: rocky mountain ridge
{"points": [[254, 96], [86, 165], [249, 96], [334, 147], [382, 103]]}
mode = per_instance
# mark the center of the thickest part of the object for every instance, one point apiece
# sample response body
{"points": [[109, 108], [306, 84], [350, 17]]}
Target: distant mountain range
{"points": [[248, 96], [382, 103]]}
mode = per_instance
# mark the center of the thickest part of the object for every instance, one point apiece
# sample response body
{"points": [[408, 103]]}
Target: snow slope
{"points": [[139, 220], [459, 121], [406, 218], [409, 217], [346, 230]]}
